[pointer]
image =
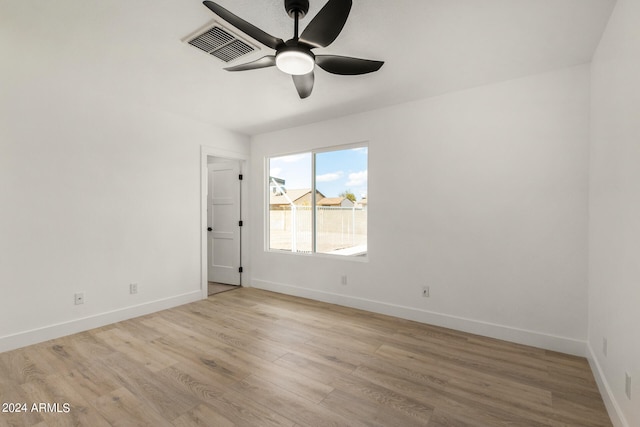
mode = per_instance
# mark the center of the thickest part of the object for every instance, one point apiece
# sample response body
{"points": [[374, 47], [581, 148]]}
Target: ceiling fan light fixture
{"points": [[295, 61]]}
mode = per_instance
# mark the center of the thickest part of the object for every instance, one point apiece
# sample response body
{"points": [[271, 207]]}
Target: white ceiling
{"points": [[133, 50]]}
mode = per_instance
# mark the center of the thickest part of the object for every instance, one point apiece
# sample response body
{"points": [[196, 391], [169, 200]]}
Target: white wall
{"points": [[493, 185], [614, 232], [96, 194]]}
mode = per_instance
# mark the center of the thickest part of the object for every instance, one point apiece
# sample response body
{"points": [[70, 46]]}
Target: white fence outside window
{"points": [[339, 230]]}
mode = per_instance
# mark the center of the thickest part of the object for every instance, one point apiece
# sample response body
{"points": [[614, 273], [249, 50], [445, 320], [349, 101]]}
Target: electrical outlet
{"points": [[343, 280], [627, 385], [133, 288], [425, 292], [604, 346], [79, 298]]}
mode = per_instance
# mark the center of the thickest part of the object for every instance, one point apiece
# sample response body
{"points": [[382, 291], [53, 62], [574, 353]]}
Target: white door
{"points": [[223, 216]]}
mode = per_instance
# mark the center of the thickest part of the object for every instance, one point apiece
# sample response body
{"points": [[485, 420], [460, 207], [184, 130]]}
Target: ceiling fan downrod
{"points": [[296, 9]]}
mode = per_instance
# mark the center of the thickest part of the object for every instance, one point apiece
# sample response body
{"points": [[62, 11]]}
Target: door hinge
{"points": [[240, 223], [239, 269], [240, 177]]}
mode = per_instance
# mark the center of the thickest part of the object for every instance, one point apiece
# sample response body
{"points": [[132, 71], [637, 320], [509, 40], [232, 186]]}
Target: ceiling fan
{"points": [[294, 56]]}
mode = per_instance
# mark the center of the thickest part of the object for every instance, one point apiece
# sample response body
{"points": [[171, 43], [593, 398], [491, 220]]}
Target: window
{"points": [[318, 202]]}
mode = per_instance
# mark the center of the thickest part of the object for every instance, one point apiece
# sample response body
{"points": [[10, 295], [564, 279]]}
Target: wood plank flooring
{"points": [[216, 288], [255, 358]]}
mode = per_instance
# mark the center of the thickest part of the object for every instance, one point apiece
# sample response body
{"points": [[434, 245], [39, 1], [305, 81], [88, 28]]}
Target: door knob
{"points": [[209, 229]]}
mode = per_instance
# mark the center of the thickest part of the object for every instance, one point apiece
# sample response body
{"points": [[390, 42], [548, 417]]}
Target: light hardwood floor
{"points": [[254, 358], [216, 288]]}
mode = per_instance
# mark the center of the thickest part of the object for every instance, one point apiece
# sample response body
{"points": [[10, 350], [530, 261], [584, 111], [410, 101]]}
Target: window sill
{"points": [[353, 258]]}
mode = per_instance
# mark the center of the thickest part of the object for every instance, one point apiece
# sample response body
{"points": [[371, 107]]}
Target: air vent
{"points": [[221, 43]]}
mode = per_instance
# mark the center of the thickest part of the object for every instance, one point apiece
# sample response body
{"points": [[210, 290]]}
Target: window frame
{"points": [[266, 191]]}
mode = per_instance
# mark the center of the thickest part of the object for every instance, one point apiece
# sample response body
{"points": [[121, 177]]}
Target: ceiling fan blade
{"points": [[327, 24], [346, 65], [264, 62], [304, 84], [247, 28]]}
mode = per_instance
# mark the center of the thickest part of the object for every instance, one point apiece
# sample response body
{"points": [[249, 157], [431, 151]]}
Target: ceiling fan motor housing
{"points": [[293, 6]]}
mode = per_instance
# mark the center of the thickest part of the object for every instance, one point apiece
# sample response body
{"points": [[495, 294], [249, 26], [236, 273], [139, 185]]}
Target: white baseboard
{"points": [[34, 336], [507, 333], [615, 413]]}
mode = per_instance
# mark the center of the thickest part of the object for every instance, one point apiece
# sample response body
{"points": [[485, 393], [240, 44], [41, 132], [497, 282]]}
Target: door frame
{"points": [[242, 159]]}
